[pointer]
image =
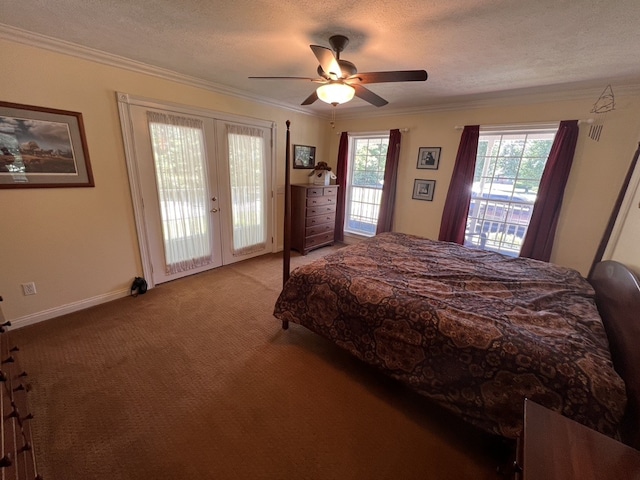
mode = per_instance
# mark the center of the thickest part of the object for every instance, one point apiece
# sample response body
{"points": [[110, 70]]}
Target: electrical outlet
{"points": [[29, 288]]}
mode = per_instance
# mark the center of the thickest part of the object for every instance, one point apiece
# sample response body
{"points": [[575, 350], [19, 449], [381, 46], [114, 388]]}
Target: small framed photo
{"points": [[304, 156], [423, 189], [42, 147], [428, 158]]}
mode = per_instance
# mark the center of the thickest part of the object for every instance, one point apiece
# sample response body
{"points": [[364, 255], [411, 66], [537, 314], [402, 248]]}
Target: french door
{"points": [[246, 189], [202, 188]]}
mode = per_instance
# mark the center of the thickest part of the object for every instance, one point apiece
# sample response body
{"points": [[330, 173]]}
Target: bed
{"points": [[477, 332], [474, 331]]}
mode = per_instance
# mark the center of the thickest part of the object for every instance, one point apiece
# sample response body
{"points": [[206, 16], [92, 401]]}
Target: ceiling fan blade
{"points": [[397, 76], [369, 96], [310, 99], [327, 61], [288, 78]]}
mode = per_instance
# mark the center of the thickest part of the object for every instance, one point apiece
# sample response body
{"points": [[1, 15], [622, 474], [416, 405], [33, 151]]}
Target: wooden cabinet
{"points": [[554, 446], [313, 216]]}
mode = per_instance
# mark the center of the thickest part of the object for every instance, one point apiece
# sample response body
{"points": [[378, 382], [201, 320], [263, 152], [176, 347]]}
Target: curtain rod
{"points": [[524, 125], [366, 133]]}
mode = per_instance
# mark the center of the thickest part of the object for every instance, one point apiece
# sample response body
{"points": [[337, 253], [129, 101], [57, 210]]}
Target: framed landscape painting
{"points": [[42, 147]]}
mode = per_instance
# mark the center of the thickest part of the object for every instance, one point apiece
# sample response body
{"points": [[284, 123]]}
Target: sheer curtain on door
{"points": [[247, 176], [181, 175]]}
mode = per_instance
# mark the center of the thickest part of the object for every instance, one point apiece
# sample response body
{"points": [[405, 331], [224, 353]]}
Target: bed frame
{"points": [[617, 297], [286, 254]]}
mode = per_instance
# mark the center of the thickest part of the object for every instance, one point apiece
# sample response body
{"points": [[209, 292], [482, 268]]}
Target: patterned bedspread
{"points": [[474, 331]]}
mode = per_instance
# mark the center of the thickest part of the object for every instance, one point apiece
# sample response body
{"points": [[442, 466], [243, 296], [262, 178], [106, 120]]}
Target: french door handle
{"points": [[214, 210]]}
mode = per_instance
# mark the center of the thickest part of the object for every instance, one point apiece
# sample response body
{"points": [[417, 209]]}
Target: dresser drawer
{"points": [[315, 201], [316, 229], [320, 219], [318, 239], [320, 209], [322, 191], [315, 192]]}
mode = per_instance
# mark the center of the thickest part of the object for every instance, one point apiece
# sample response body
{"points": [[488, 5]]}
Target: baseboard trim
{"points": [[68, 308]]}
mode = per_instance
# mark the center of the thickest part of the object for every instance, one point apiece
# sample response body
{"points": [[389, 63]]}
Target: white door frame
{"points": [[125, 101]]}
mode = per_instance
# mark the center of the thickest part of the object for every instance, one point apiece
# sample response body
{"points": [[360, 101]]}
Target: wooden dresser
{"points": [[313, 216]]}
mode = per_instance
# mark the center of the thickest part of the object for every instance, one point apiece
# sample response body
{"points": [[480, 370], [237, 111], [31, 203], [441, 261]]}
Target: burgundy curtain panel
{"points": [[456, 207], [341, 173], [388, 200], [544, 220]]}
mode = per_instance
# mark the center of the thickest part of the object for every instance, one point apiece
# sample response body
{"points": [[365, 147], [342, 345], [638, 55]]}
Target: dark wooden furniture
{"points": [[18, 456], [554, 446], [313, 216], [618, 299]]}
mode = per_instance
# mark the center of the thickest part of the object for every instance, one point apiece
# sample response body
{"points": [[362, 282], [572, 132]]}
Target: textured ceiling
{"points": [[472, 49]]}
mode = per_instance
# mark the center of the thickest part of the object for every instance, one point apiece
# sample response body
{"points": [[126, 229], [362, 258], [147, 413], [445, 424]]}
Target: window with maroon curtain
{"points": [[387, 202], [341, 174], [456, 207], [546, 211]]}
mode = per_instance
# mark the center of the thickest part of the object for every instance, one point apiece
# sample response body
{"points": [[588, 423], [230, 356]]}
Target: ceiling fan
{"points": [[340, 78]]}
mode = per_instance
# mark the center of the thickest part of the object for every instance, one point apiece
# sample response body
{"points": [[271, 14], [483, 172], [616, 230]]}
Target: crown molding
{"points": [[511, 97], [554, 93], [63, 47]]}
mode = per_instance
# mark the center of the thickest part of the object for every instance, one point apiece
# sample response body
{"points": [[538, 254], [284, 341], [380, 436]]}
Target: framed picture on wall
{"points": [[428, 158], [304, 156], [423, 189], [42, 147]]}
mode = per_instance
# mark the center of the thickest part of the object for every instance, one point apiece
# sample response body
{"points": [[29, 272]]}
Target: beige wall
{"points": [[624, 245], [598, 170], [79, 245]]}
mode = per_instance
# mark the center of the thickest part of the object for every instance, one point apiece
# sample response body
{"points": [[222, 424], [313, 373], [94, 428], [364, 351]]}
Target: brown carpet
{"points": [[196, 380]]}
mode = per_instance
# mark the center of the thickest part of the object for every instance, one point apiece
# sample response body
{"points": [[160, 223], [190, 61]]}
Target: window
{"points": [[367, 160], [509, 167]]}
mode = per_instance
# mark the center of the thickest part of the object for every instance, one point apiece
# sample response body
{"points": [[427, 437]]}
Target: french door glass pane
{"points": [[181, 177], [247, 176]]}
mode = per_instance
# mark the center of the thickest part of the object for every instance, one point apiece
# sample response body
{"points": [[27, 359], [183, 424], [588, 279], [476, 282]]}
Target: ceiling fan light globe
{"points": [[335, 93]]}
